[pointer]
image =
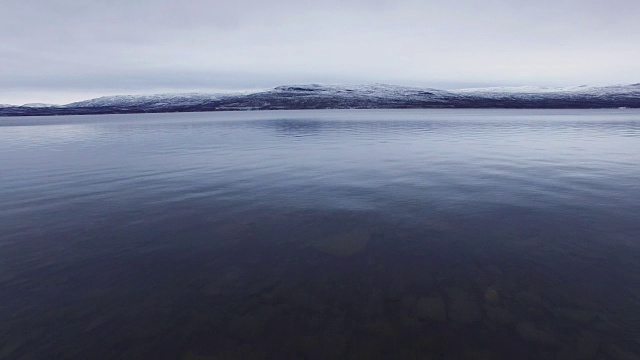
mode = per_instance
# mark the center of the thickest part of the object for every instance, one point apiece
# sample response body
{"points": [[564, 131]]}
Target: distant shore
{"points": [[307, 97]]}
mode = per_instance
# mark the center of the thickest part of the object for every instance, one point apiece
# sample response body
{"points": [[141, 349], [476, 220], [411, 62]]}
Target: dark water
{"points": [[448, 234]]}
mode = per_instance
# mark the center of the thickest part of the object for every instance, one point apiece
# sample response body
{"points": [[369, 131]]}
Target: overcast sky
{"points": [[58, 51]]}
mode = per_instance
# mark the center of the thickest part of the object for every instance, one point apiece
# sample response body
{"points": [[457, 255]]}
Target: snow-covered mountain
{"points": [[632, 90], [376, 96], [547, 90], [374, 91], [38, 105], [155, 100]]}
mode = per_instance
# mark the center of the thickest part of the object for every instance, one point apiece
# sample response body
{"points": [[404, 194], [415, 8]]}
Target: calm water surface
{"points": [[439, 234]]}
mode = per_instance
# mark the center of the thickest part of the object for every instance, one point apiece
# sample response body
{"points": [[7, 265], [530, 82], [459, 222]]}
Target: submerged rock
{"points": [[529, 297], [478, 355], [462, 307], [345, 244], [578, 315], [587, 346], [380, 328], [491, 295], [531, 333], [618, 353], [500, 315], [305, 301], [246, 326], [431, 308], [192, 356], [411, 323]]}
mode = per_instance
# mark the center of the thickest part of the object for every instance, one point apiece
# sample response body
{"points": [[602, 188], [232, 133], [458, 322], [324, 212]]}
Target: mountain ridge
{"points": [[320, 96]]}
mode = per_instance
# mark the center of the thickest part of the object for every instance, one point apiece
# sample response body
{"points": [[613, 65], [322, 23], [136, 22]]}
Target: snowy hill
{"points": [[37, 105], [155, 100], [374, 90], [573, 91], [376, 96]]}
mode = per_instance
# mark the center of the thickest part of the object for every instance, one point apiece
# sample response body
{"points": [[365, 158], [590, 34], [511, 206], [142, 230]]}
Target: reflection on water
{"points": [[467, 234]]}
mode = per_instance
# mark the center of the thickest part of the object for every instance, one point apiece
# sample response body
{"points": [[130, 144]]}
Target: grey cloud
{"points": [[126, 46]]}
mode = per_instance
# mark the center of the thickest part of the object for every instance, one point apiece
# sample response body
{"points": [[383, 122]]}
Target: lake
{"points": [[355, 234]]}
